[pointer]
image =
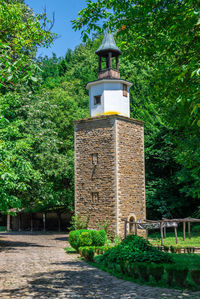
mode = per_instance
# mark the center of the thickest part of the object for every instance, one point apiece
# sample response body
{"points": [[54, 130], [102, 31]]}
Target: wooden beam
{"points": [[175, 231], [183, 231], [8, 222]]}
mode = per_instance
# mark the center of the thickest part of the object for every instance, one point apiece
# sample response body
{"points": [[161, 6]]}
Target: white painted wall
{"points": [[112, 99]]}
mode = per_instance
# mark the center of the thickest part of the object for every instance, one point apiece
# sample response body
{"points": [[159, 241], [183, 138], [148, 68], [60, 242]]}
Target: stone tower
{"points": [[109, 150]]}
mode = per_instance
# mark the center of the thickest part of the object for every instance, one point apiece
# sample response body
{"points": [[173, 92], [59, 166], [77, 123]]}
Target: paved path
{"points": [[36, 266]]}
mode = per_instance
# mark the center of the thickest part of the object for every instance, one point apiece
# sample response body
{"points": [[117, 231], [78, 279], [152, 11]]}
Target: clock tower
{"points": [[109, 149]]}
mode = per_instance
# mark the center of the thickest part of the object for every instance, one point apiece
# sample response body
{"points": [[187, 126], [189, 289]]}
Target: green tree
{"points": [[21, 32]]}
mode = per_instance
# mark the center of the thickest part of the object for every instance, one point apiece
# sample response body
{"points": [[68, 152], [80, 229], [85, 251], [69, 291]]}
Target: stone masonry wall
{"points": [[109, 170], [131, 172], [95, 188]]}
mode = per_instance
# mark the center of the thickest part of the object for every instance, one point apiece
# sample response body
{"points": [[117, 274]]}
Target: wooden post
{"points": [[183, 231], [165, 232], [19, 222], [161, 233], [125, 228], [175, 231], [117, 63], [59, 222], [189, 234], [147, 233], [135, 228], [109, 60], [8, 222], [31, 222], [44, 222]]}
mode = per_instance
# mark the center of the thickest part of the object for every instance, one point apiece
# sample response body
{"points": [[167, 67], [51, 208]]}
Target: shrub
{"points": [[180, 276], [87, 253], [156, 271], [79, 222], [132, 251], [78, 238], [195, 275]]}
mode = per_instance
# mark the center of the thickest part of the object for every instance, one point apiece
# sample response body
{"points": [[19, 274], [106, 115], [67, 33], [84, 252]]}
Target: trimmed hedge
{"points": [[83, 237]]}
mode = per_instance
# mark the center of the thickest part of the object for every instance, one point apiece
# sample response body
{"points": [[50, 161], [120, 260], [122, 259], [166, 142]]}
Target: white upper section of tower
{"points": [[109, 96]]}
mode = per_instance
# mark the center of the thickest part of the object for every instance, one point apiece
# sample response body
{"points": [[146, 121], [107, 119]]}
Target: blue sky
{"points": [[65, 11]]}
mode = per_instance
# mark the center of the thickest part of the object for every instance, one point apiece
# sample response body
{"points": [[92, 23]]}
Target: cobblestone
{"points": [[36, 266]]}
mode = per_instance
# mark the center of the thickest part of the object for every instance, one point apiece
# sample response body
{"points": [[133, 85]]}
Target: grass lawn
{"points": [[155, 240]]}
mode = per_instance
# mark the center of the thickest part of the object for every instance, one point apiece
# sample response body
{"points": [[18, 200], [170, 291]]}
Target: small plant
{"points": [[172, 249], [70, 250], [79, 222], [166, 248], [104, 226]]}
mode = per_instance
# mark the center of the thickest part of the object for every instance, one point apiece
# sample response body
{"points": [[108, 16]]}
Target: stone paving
{"points": [[36, 266]]}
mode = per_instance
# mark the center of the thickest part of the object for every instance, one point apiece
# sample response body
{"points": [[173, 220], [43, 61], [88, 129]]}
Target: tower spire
{"points": [[108, 50]]}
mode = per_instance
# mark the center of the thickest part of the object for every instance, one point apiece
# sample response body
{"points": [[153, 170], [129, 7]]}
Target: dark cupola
{"points": [[108, 50]]}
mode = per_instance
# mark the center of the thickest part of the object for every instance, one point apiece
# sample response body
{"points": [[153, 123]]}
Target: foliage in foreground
{"points": [[175, 270]]}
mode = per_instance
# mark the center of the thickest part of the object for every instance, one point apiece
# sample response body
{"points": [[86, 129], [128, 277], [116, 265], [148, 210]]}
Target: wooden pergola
{"points": [[57, 210], [162, 224]]}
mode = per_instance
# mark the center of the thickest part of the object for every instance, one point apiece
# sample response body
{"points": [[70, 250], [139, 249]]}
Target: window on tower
{"points": [[125, 92], [97, 100]]}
